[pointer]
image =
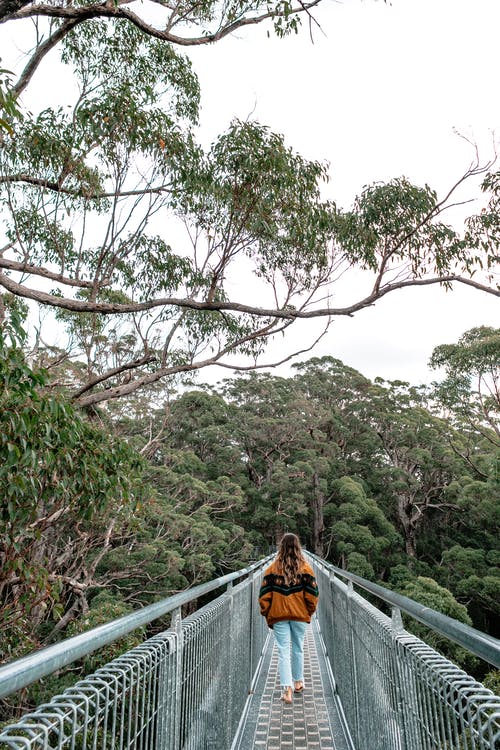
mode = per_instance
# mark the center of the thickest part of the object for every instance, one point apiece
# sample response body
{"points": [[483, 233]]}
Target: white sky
{"points": [[378, 95]]}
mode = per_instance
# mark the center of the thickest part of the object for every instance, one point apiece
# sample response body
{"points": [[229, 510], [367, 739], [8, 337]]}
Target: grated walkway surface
{"points": [[313, 720]]}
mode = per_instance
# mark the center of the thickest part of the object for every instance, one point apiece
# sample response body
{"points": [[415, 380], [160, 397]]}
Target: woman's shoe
{"points": [[286, 695], [299, 686]]}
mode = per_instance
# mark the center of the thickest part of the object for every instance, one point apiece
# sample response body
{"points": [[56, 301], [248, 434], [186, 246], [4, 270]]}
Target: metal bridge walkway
{"points": [[212, 677], [312, 722]]}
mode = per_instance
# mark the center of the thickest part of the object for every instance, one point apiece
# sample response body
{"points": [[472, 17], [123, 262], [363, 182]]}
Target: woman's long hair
{"points": [[289, 558]]}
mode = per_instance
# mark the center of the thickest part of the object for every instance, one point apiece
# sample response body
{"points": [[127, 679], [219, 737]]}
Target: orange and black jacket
{"points": [[281, 602]]}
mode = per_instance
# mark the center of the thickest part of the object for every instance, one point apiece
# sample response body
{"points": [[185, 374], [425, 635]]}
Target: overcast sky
{"points": [[379, 93]]}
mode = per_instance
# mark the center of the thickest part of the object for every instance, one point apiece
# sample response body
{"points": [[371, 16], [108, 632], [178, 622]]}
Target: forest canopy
{"points": [[382, 478], [159, 256]]}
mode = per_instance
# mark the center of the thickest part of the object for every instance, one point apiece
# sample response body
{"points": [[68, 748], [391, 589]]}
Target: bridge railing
{"points": [[161, 695], [396, 692], [187, 687]]}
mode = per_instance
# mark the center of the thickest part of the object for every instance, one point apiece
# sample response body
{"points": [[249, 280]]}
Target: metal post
{"points": [[252, 633], [231, 662], [354, 671], [176, 628], [396, 622], [330, 650], [397, 629]]}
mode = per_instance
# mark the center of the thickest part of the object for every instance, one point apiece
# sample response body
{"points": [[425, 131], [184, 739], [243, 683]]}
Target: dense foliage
{"points": [[65, 487], [163, 491]]}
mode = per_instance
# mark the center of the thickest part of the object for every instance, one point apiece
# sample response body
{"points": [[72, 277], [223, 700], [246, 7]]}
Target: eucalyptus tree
{"points": [[95, 193], [202, 423], [363, 540], [472, 367], [473, 574], [89, 527], [186, 531], [266, 428], [195, 468], [468, 540], [428, 592], [337, 400], [384, 435], [342, 401], [172, 23], [470, 396], [63, 502], [420, 469], [298, 436]]}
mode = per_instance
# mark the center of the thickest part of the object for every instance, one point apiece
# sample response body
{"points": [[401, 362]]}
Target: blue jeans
{"points": [[289, 633]]}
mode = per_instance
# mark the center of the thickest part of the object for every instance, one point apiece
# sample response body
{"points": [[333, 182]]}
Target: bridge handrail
{"points": [[22, 672], [480, 644]]}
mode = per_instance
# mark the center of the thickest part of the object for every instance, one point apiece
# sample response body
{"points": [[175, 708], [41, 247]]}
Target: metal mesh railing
{"points": [[187, 688], [396, 692], [163, 694], [125, 704], [222, 644]]}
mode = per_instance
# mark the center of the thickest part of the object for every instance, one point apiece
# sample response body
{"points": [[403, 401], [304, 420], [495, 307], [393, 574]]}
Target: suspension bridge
{"points": [[210, 681]]}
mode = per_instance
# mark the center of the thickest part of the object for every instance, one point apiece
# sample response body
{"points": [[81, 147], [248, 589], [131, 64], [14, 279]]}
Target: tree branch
{"points": [[146, 359], [13, 265], [57, 188], [127, 388], [114, 308], [268, 365], [77, 14], [40, 53]]}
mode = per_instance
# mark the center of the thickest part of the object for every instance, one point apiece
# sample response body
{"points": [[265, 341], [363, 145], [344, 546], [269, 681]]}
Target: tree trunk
{"points": [[409, 526], [318, 525], [278, 533], [411, 545]]}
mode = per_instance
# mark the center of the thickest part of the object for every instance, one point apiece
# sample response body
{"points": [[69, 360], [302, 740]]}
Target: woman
{"points": [[288, 597]]}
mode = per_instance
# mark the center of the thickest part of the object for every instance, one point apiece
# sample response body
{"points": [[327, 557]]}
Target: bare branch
{"points": [[57, 188], [114, 308], [40, 53], [146, 359], [77, 14], [13, 265], [268, 365], [312, 21]]}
